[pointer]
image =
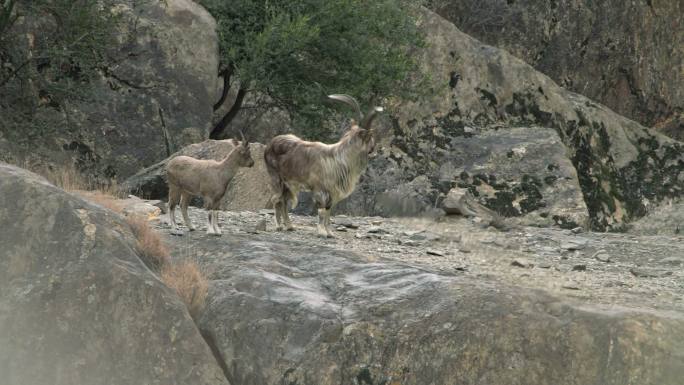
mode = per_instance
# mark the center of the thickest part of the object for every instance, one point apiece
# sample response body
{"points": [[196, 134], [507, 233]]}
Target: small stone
{"points": [[576, 230], [571, 286], [375, 230], [346, 222], [579, 267], [177, 232], [464, 249], [672, 261], [376, 222], [434, 252], [341, 228], [575, 244], [260, 226], [409, 243], [521, 262], [648, 273], [602, 256], [544, 265]]}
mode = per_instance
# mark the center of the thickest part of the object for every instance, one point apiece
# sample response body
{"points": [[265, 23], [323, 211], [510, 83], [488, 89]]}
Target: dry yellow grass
{"points": [[185, 277], [189, 282], [149, 244], [102, 198]]}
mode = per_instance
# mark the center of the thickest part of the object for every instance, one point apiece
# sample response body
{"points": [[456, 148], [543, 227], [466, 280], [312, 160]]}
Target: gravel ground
{"points": [[623, 270]]}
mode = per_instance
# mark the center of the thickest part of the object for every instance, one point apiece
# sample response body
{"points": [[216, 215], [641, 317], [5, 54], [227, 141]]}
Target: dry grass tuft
{"points": [[149, 244], [189, 282], [67, 177], [103, 199]]}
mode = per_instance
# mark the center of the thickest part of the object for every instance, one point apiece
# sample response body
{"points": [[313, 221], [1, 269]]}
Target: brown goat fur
{"points": [[330, 171], [188, 177]]}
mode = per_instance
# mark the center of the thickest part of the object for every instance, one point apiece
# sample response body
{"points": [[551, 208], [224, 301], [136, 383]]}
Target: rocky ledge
{"points": [[421, 302]]}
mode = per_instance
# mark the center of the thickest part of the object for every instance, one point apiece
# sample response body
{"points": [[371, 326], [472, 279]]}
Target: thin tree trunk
{"points": [[229, 116], [227, 74]]}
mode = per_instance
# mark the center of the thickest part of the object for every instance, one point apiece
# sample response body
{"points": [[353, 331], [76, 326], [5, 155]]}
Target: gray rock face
{"points": [[77, 306], [627, 55], [289, 312], [156, 99], [249, 189], [666, 219], [620, 165]]}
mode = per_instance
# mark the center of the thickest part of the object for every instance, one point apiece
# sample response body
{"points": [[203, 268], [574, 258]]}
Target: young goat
{"points": [[209, 179], [330, 171]]}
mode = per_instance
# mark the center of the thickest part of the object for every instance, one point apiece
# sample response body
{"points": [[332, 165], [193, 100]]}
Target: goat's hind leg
{"points": [[288, 197], [174, 198], [277, 202], [184, 203]]}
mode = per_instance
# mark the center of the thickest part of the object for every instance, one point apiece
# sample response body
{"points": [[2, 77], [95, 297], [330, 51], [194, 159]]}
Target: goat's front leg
{"points": [[278, 216], [210, 225], [286, 217], [215, 222], [324, 224], [209, 206], [324, 203]]}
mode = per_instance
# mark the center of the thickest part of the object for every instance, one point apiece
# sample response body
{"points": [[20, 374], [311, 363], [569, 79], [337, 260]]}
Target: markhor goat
{"points": [[330, 171], [209, 179]]}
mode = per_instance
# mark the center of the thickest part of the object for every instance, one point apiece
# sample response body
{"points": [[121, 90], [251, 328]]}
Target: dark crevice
{"points": [[211, 342], [165, 132]]}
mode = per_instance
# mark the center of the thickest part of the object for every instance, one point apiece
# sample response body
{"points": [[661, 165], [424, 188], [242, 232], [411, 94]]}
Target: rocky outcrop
{"points": [[155, 97], [666, 219], [249, 189], [386, 304], [77, 306], [622, 167], [626, 55]]}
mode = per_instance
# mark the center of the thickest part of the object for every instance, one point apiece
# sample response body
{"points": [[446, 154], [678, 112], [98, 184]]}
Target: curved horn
{"points": [[368, 119], [348, 100], [242, 135]]}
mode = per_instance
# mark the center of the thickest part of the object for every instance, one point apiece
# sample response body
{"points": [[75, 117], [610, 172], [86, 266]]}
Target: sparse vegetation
{"points": [[190, 283], [50, 51], [149, 245], [186, 277]]}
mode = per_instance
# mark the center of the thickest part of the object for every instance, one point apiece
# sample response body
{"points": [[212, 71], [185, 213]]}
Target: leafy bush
{"points": [[299, 51], [50, 50]]}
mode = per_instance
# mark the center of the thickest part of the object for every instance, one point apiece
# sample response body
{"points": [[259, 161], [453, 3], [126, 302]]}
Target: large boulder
{"points": [[626, 55], [281, 311], [77, 306], [249, 189], [154, 98], [622, 167]]}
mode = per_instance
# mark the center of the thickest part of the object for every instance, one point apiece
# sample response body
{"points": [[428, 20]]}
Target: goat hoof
{"points": [[279, 228]]}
